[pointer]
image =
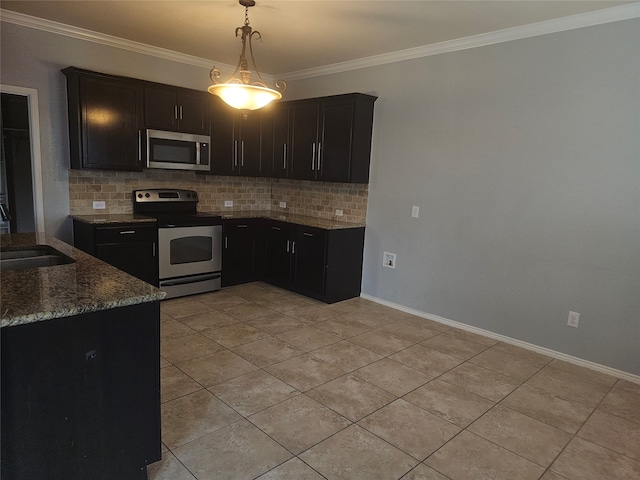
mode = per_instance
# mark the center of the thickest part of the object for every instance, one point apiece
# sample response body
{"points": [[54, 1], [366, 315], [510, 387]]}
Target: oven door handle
{"points": [[191, 279]]}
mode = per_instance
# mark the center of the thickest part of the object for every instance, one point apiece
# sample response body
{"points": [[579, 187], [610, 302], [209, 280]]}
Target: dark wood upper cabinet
{"points": [[305, 118], [105, 120], [330, 138], [236, 141], [281, 146], [326, 139], [176, 109]]}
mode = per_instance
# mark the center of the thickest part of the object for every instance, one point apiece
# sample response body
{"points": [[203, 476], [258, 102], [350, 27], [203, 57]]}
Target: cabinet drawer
{"points": [[128, 233]]}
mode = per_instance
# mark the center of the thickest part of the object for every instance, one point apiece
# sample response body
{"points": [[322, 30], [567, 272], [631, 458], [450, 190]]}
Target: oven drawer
{"points": [[128, 233]]}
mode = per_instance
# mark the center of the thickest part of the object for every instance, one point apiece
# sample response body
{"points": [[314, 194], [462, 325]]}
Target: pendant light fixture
{"points": [[239, 91]]}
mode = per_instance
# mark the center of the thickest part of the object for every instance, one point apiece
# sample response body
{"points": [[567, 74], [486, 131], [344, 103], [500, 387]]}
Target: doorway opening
{"points": [[21, 196], [16, 189]]}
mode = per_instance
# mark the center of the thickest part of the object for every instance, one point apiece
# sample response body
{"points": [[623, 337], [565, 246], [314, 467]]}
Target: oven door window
{"points": [[184, 251], [190, 250]]}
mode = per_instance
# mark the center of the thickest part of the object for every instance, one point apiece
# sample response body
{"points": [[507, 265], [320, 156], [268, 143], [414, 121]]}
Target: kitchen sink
{"points": [[32, 257]]}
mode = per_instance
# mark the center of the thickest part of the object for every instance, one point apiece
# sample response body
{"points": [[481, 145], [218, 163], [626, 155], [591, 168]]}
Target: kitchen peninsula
{"points": [[80, 368]]}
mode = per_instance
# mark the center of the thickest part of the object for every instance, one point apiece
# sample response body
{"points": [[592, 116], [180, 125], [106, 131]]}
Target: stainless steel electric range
{"points": [[189, 242]]}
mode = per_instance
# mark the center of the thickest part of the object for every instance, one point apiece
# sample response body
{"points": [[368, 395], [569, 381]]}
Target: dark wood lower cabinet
{"points": [[322, 264], [241, 251], [131, 247], [277, 252], [309, 258], [81, 396]]}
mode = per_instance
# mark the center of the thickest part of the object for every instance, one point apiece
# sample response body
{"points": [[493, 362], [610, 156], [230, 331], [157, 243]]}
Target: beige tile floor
{"points": [[258, 382]]}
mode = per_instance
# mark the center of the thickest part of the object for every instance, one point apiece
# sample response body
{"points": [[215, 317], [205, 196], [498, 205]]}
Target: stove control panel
{"points": [[164, 195]]}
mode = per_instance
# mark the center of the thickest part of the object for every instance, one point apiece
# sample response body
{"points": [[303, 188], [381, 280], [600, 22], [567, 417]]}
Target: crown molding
{"points": [[588, 19], [104, 39], [607, 15]]}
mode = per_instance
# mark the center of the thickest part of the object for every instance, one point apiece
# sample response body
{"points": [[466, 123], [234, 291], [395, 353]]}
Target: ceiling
{"points": [[302, 34]]}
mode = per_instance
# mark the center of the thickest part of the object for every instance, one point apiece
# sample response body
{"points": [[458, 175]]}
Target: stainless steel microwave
{"points": [[177, 151]]}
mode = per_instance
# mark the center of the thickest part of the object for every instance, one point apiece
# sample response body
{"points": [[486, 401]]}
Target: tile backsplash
{"points": [[314, 199]]}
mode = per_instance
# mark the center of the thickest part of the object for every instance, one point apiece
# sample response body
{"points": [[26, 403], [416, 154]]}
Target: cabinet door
{"points": [[81, 396], [194, 112], [277, 252], [52, 408], [110, 119], [135, 258], [304, 141], [176, 110], [240, 252], [160, 109], [248, 143], [281, 155], [308, 273], [223, 152], [129, 247], [335, 142]]}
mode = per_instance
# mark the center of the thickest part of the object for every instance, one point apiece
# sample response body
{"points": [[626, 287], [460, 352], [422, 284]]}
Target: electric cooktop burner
{"points": [[172, 207]]}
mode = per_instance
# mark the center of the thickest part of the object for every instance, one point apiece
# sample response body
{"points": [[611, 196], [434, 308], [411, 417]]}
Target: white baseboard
{"points": [[519, 343]]}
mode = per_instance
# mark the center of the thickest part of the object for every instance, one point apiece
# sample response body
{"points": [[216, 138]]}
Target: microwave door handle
{"points": [[197, 153]]}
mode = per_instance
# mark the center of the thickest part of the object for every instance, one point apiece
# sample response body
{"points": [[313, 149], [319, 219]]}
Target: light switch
{"points": [[415, 211]]}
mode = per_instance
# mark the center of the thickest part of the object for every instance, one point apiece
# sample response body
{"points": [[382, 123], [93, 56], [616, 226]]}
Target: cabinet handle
{"points": [[307, 234], [288, 242], [242, 226], [127, 232], [319, 154], [313, 156], [293, 247], [139, 146], [154, 248], [175, 112], [284, 157], [276, 228], [242, 153], [180, 112], [226, 242], [235, 154]]}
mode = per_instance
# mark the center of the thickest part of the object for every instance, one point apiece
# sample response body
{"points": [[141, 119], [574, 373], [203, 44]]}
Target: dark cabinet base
{"points": [[131, 247], [318, 263], [81, 396]]}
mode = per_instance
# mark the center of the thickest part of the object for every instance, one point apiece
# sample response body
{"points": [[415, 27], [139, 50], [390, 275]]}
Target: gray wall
{"points": [[33, 59], [524, 158]]}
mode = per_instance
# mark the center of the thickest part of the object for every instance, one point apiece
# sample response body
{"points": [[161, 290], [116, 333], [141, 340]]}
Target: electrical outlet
{"points": [[415, 211], [389, 260], [99, 205], [339, 213], [283, 204], [573, 320], [228, 203]]}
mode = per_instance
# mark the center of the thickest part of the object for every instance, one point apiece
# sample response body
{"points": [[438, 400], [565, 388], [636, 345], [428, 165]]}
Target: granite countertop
{"points": [[45, 293], [327, 224], [107, 218]]}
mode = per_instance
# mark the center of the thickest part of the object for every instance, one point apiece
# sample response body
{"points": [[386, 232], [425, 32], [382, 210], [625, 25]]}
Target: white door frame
{"points": [[36, 154]]}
